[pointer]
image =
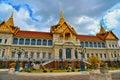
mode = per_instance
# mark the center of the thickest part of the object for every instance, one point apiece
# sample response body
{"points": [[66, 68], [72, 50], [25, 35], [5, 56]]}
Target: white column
{"points": [[73, 53], [41, 55], [64, 54], [56, 54], [79, 55]]}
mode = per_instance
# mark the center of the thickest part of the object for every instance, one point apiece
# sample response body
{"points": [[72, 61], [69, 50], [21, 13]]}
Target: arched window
{"points": [[82, 44], [91, 45], [99, 45], [27, 41], [68, 53], [60, 54], [103, 45], [38, 42], [95, 44], [21, 41], [86, 44], [15, 40], [49, 42], [44, 42], [76, 54], [33, 41]]}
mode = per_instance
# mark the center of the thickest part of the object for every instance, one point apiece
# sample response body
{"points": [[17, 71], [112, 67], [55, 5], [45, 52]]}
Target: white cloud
{"points": [[112, 17], [5, 7], [89, 25]]}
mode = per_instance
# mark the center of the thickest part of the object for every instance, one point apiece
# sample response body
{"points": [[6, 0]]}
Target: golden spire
{"points": [[62, 19], [102, 30], [61, 14], [10, 21]]}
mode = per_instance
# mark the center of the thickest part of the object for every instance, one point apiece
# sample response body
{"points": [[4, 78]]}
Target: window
{"points": [[103, 45], [15, 40], [88, 55], [86, 44], [49, 55], [60, 54], [21, 41], [91, 45], [3, 53], [44, 42], [96, 54], [32, 55], [95, 44], [113, 46], [105, 55], [76, 54], [67, 36], [38, 42], [5, 41], [109, 45], [68, 53], [27, 41], [115, 55], [99, 45], [82, 44], [44, 55], [0, 40], [38, 54], [26, 55], [33, 41], [100, 55], [49, 42], [13, 55]]}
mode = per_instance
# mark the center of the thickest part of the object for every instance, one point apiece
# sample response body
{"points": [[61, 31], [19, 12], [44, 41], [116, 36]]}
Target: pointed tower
{"points": [[10, 21], [102, 30], [102, 33]]}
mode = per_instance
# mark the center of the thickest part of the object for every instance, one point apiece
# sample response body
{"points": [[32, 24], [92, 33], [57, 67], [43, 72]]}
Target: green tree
{"points": [[94, 61]]}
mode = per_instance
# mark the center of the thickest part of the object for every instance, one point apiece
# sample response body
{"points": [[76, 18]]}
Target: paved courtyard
{"points": [[6, 76]]}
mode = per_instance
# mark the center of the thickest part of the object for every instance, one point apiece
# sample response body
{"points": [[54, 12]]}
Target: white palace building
{"points": [[62, 45]]}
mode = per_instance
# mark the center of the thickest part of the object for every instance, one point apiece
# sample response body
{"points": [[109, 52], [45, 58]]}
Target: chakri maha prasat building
{"points": [[60, 47]]}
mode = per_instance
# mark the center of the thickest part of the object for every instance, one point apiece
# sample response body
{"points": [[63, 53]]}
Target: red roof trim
{"points": [[88, 38], [31, 32]]}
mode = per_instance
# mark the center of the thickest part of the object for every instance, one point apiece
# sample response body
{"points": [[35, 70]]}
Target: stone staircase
{"points": [[47, 62]]}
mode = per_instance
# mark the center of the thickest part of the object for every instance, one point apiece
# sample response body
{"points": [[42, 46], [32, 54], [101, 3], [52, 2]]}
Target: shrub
{"points": [[94, 61], [13, 64], [73, 70], [44, 71]]}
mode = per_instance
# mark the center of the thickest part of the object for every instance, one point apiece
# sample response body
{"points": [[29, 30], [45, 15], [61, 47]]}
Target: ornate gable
{"points": [[111, 36], [8, 26], [62, 26]]}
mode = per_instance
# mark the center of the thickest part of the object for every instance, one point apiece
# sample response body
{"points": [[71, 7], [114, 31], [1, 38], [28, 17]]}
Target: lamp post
{"points": [[28, 63], [82, 50], [19, 51]]}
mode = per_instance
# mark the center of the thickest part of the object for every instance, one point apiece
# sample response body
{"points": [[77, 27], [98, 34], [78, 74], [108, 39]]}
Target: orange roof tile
{"points": [[33, 34], [89, 38]]}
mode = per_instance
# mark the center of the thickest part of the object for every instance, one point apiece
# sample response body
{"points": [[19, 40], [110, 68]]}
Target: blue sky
{"points": [[83, 15]]}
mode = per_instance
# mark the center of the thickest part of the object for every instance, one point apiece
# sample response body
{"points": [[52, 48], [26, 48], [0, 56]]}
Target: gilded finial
{"points": [[61, 11], [10, 21]]}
